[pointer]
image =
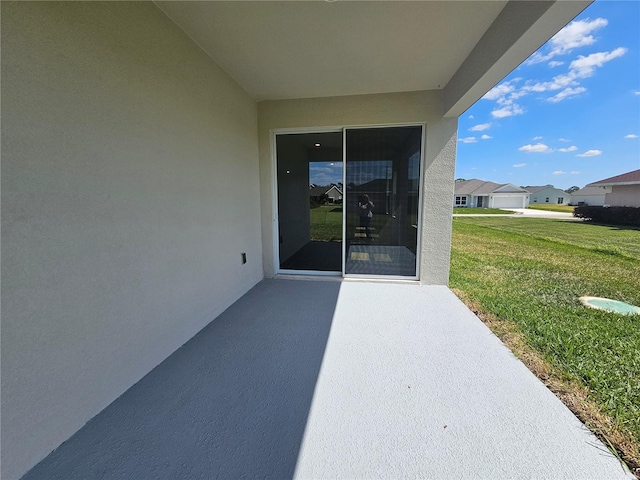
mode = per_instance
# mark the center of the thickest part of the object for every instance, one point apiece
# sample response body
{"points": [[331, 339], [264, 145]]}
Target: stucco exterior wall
{"points": [[588, 199], [553, 194], [383, 109], [129, 190], [623, 196]]}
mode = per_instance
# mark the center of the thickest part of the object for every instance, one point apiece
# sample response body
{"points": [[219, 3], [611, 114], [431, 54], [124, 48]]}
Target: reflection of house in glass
{"points": [[325, 194]]}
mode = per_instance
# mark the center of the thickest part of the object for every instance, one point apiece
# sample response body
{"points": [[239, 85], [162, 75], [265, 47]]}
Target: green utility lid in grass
{"points": [[609, 305]]}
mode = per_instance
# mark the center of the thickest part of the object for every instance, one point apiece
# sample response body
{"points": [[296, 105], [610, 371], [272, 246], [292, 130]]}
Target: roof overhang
{"points": [[303, 49]]}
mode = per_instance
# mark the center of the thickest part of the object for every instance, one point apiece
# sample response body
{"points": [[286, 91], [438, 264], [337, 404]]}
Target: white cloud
{"points": [[537, 148], [501, 90], [575, 35], [554, 64], [559, 172], [507, 111], [590, 153], [519, 165], [568, 83], [585, 66], [566, 93], [582, 67], [471, 117], [637, 92], [631, 135], [537, 138], [468, 140], [574, 172], [572, 148], [564, 140], [481, 127], [486, 137]]}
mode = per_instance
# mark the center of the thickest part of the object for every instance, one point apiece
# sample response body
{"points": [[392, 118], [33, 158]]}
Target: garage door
{"points": [[509, 201]]}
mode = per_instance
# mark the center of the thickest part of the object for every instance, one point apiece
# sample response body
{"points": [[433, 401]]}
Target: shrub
{"points": [[628, 216]]}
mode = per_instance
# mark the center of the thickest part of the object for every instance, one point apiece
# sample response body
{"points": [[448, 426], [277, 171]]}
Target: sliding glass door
{"points": [[348, 201], [382, 185]]}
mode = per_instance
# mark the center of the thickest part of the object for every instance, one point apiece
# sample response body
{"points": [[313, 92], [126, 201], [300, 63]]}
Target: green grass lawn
{"points": [[552, 208], [480, 211], [529, 273]]}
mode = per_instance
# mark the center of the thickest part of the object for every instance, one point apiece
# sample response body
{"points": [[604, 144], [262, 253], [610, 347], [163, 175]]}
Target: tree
{"points": [[575, 188]]}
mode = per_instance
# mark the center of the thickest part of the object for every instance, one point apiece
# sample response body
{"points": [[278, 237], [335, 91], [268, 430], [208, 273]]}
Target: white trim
{"points": [[616, 184], [420, 199], [321, 273], [344, 201], [274, 189], [274, 185]]}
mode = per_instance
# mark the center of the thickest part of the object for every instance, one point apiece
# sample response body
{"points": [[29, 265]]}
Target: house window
{"points": [[546, 200], [560, 199], [461, 201], [535, 199]]}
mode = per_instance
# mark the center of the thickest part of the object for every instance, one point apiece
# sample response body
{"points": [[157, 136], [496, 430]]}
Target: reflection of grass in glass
{"points": [[326, 226], [326, 223]]}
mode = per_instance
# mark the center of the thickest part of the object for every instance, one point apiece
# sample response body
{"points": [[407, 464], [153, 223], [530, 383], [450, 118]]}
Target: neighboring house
{"points": [[143, 173], [625, 189], [481, 194], [548, 194], [333, 193], [590, 196]]}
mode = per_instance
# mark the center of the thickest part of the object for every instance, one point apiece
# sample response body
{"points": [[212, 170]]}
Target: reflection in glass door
{"points": [[382, 183], [310, 194]]}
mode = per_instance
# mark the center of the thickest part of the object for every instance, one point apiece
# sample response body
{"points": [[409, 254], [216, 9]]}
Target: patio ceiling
{"points": [[280, 50]]}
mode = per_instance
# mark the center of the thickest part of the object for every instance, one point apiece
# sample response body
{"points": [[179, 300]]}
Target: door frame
{"points": [[274, 186], [274, 180]]}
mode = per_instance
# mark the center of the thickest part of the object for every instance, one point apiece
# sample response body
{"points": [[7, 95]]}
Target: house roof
{"points": [[279, 49], [480, 187], [629, 178], [588, 190], [535, 189], [316, 191]]}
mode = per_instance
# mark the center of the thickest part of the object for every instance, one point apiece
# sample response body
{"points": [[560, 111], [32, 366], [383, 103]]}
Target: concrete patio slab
{"points": [[330, 379]]}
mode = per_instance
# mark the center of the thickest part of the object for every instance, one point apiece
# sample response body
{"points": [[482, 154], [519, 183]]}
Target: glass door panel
{"points": [[382, 183], [310, 194]]}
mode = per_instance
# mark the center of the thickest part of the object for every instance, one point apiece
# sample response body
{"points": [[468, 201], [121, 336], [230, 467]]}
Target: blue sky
{"points": [[570, 114]]}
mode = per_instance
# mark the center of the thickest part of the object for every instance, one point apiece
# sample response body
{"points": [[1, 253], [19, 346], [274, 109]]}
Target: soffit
{"points": [[279, 50]]}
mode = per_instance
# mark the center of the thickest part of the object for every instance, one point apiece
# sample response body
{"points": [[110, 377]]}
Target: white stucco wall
{"points": [[623, 196], [588, 199], [129, 190], [383, 109], [553, 194]]}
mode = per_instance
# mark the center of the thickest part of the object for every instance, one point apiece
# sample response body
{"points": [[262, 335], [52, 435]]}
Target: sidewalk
{"points": [[524, 212]]}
